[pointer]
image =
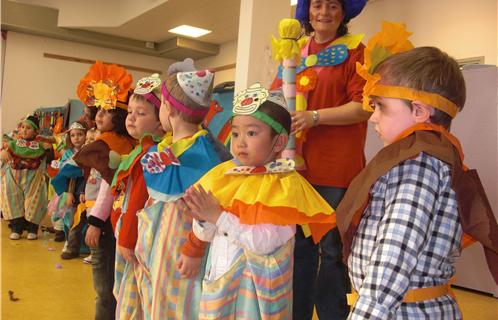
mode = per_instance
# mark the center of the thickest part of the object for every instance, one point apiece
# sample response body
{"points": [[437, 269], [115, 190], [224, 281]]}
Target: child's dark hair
{"points": [[93, 112], [176, 91], [68, 142], [341, 31], [277, 113], [118, 121], [426, 69]]}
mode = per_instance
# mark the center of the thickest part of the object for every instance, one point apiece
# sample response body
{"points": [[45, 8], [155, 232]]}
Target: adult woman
{"points": [[333, 128]]}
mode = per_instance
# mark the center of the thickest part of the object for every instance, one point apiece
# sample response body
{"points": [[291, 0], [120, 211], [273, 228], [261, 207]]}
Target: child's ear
{"points": [[421, 111], [281, 143]]}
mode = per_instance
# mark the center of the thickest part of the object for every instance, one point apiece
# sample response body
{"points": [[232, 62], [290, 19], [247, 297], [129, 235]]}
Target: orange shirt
{"points": [[334, 154]]}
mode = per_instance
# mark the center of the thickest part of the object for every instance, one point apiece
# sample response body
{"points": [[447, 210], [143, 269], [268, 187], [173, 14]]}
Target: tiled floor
{"points": [[50, 288]]}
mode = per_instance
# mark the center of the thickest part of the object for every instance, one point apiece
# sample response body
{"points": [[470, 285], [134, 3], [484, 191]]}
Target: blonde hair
{"points": [[177, 92], [426, 69]]}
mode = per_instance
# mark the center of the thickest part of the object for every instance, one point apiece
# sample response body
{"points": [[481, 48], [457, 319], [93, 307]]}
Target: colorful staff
{"points": [[288, 52]]}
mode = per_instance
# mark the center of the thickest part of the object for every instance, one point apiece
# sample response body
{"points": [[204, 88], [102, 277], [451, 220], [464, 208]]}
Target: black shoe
{"points": [[69, 255], [60, 236]]}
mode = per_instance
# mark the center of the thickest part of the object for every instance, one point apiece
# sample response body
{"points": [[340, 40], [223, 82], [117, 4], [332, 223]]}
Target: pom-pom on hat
{"points": [[352, 8], [104, 85]]}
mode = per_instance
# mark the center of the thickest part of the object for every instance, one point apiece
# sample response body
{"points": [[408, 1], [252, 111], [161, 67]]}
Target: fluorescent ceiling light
{"points": [[189, 31], [293, 2]]}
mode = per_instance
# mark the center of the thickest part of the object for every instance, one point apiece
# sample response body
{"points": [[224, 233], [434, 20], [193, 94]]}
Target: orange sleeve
{"points": [[194, 247], [128, 233]]}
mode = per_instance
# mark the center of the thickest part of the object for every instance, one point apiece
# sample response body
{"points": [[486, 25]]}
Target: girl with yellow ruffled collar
{"points": [[248, 209]]}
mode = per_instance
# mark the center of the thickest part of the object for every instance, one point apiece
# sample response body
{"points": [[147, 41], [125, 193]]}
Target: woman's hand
{"points": [[5, 156], [70, 199], [92, 236], [188, 266], [301, 120], [204, 206], [128, 254]]}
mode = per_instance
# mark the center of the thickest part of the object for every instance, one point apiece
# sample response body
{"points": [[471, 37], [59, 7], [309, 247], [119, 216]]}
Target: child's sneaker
{"points": [[32, 236], [88, 259], [14, 236]]}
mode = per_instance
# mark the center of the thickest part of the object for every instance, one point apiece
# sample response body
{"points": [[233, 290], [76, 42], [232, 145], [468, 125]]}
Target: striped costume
{"points": [[249, 268], [23, 185], [169, 169]]}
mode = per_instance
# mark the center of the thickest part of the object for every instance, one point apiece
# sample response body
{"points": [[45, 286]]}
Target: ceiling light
{"points": [[189, 31], [293, 2]]}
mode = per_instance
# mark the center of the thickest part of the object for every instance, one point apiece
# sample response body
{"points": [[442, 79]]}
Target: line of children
{"points": [[403, 216], [23, 191]]}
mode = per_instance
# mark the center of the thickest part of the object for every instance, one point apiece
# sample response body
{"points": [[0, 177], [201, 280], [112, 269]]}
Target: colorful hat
{"points": [[352, 8], [104, 85], [197, 85], [146, 87], [248, 102], [33, 121], [76, 126]]}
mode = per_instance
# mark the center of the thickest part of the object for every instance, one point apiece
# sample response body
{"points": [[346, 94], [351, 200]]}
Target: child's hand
{"points": [[203, 205], [70, 199], [92, 236], [182, 206], [128, 254], [5, 156], [188, 266], [82, 198]]}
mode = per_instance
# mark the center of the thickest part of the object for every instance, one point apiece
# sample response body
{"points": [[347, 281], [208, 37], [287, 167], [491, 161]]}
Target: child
{"points": [[105, 87], [402, 216], [169, 168], [248, 209], [64, 203], [69, 171], [142, 124], [23, 187]]}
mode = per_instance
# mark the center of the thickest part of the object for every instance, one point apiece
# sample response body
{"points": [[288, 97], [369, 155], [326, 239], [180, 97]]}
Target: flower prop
{"points": [[104, 85]]}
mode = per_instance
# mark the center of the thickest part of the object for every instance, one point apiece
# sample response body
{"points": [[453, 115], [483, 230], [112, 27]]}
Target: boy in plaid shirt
{"points": [[403, 217]]}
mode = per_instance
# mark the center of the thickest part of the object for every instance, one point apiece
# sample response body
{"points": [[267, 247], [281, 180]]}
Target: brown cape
{"points": [[96, 154], [475, 212]]}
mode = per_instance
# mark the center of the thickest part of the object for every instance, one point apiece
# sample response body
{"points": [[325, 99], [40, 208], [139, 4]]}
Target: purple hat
{"points": [[352, 8]]}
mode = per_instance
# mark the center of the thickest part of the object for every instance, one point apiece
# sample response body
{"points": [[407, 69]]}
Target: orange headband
{"points": [[372, 88]]}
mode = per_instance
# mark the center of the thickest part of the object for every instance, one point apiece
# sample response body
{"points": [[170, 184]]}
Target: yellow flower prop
{"points": [[289, 45], [104, 85]]}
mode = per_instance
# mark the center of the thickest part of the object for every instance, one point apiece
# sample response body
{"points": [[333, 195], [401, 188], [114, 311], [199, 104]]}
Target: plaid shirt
{"points": [[409, 237]]}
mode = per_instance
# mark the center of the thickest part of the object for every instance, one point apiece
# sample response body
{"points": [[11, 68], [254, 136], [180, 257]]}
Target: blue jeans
{"points": [[320, 276], [103, 274]]}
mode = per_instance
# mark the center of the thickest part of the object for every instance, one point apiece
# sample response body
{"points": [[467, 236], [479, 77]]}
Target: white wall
{"points": [[461, 28], [31, 81], [227, 56]]}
